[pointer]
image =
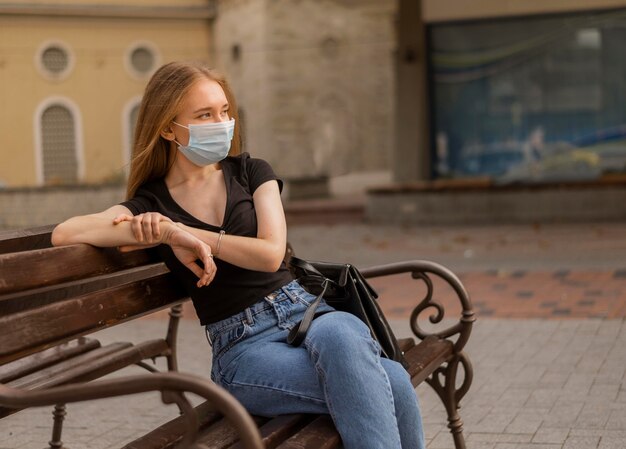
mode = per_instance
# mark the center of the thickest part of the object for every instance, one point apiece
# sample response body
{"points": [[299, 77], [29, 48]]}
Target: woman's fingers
{"points": [[135, 224], [136, 228], [206, 275], [122, 217], [144, 226], [156, 229], [189, 250], [210, 269]]}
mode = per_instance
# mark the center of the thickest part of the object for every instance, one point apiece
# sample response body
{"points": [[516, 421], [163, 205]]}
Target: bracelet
{"points": [[219, 243]]}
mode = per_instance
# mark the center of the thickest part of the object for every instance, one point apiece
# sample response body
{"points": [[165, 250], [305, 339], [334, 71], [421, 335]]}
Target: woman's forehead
{"points": [[204, 93]]}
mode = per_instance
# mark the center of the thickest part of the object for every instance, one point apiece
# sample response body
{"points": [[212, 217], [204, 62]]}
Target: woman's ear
{"points": [[168, 134]]}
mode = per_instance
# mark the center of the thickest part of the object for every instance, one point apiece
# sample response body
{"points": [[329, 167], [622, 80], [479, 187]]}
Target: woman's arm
{"points": [[95, 229], [100, 230], [267, 250]]}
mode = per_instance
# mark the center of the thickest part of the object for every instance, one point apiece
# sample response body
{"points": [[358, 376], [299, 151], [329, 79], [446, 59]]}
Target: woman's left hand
{"points": [[145, 227]]}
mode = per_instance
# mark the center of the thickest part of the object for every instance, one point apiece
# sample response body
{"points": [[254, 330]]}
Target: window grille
{"points": [[142, 60], [55, 60], [60, 165]]}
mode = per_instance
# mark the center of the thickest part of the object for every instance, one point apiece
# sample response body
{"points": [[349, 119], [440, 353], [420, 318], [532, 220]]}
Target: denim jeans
{"points": [[337, 370]]}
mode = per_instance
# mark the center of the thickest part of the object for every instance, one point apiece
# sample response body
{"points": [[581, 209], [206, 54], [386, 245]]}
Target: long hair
{"points": [[161, 102]]}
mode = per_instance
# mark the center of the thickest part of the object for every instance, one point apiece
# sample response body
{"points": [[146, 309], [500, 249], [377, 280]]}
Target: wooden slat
{"points": [[43, 359], [279, 429], [273, 431], [88, 366], [426, 357], [34, 330], [126, 357], [25, 239], [43, 267], [50, 374], [406, 343], [30, 299], [95, 364], [171, 433], [54, 375], [320, 434], [222, 434]]}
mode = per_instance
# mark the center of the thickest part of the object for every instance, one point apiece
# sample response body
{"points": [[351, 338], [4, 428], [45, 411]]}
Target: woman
{"points": [[219, 225]]}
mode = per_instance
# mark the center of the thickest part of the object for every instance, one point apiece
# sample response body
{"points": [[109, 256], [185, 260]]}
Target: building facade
{"points": [[71, 77], [315, 82]]}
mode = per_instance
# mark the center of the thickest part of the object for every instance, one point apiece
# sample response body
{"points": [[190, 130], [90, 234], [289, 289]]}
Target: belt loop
{"points": [[289, 294], [249, 319]]}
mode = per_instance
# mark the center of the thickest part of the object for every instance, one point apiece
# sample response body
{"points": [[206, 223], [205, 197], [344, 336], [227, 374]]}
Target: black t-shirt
{"points": [[233, 288]]}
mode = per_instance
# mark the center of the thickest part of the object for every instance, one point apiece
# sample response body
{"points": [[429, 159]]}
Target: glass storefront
{"points": [[529, 99]]}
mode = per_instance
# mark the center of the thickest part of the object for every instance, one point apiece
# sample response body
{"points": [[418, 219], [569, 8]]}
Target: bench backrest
{"points": [[51, 295]]}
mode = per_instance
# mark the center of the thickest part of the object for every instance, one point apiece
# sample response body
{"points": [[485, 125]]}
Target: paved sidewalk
{"points": [[548, 348]]}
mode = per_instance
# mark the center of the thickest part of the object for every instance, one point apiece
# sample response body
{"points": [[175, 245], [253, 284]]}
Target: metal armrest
{"points": [[172, 385], [421, 270]]}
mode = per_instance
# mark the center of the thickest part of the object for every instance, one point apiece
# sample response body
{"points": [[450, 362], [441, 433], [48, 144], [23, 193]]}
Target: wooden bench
{"points": [[51, 299]]}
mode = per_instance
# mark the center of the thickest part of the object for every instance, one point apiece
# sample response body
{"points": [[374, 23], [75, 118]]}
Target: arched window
{"points": [[58, 143]]}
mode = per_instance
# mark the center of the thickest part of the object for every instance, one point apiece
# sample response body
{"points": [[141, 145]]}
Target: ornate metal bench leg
{"points": [[451, 395], [172, 333], [59, 415]]}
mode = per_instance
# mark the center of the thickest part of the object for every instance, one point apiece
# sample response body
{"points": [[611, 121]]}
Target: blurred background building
{"points": [[392, 100], [71, 77]]}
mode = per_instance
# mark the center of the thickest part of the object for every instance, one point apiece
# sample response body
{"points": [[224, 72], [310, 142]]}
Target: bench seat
{"points": [[80, 360], [297, 431]]}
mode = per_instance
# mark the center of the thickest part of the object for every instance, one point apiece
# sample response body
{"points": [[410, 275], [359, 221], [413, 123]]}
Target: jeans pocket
{"points": [[224, 360], [226, 338]]}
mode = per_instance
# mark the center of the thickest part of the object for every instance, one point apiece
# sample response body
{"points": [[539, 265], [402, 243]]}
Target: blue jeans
{"points": [[337, 370]]}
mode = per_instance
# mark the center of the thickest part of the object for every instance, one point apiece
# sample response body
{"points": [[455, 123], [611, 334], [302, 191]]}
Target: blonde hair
{"points": [[162, 99]]}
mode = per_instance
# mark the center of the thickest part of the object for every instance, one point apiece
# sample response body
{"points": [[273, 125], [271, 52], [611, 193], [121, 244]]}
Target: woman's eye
{"points": [[225, 113], [206, 115]]}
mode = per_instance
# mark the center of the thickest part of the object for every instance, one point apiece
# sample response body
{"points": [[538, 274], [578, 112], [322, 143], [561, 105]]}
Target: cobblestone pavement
{"points": [[547, 348]]}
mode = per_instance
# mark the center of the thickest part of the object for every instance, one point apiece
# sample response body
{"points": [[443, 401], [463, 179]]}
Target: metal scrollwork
{"points": [[421, 270], [426, 303]]}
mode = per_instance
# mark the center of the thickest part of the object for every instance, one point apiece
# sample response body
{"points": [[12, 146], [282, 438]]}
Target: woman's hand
{"points": [[189, 249], [151, 229], [145, 227]]}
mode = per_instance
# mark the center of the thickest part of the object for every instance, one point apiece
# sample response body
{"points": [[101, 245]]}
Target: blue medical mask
{"points": [[208, 142]]}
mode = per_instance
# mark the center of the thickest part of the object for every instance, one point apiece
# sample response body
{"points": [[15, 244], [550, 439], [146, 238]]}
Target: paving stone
{"points": [[442, 441], [478, 445], [495, 422], [593, 416], [524, 423], [607, 442], [563, 415], [547, 435], [617, 420], [576, 442]]}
